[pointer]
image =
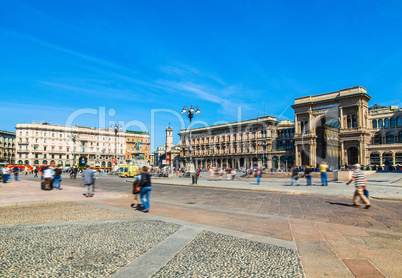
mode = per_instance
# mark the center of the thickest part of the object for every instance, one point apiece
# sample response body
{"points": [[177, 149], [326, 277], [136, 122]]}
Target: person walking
{"points": [[307, 175], [258, 175], [48, 175], [145, 188], [16, 172], [295, 175], [36, 172], [361, 184], [323, 169], [211, 173], [5, 173], [88, 180], [136, 189], [57, 178]]}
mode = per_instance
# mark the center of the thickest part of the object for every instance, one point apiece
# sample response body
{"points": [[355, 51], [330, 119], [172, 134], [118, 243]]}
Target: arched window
{"points": [[386, 123], [20, 162], [36, 162], [380, 123], [349, 121], [374, 123], [377, 139], [392, 122], [399, 121], [390, 138], [400, 137], [354, 121], [103, 164], [26, 162], [44, 162]]}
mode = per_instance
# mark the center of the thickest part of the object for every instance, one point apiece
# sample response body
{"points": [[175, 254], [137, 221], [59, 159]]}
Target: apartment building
{"points": [[7, 147], [40, 143], [256, 142]]}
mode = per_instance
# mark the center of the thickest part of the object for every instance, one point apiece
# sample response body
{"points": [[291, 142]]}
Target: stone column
{"points": [[342, 154], [393, 159], [380, 158], [297, 159], [341, 116]]}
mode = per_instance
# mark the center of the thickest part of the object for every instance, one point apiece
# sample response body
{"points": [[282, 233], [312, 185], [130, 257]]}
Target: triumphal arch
{"points": [[332, 127]]}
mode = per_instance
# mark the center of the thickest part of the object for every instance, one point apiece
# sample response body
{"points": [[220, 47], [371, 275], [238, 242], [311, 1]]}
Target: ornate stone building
{"points": [[386, 135], [7, 147], [255, 142], [37, 143], [341, 129]]}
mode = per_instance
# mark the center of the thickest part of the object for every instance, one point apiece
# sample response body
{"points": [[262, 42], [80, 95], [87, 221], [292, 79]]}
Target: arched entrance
{"points": [[103, 164], [353, 156], [275, 162], [375, 159], [230, 163], [241, 162], [254, 162], [283, 162]]}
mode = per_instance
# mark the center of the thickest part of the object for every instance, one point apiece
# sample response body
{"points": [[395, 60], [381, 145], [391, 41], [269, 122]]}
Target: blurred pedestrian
{"points": [[145, 188], [233, 173], [16, 172], [88, 180], [211, 173], [258, 175], [294, 175], [5, 173], [323, 169], [136, 188], [361, 184], [57, 178], [48, 174], [307, 175]]}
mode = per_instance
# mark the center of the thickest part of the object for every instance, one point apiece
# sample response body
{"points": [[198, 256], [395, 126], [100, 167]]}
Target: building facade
{"points": [[7, 147], [40, 143], [386, 135], [341, 129], [256, 142], [137, 146]]}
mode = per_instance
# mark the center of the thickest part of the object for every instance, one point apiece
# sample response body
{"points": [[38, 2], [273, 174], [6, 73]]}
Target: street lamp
{"points": [[190, 115], [74, 138], [116, 130]]}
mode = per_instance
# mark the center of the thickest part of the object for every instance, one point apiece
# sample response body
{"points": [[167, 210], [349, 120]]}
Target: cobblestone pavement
{"points": [[216, 255]]}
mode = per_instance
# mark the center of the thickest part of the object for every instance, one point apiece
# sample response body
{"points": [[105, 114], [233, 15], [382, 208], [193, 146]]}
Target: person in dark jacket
{"points": [[57, 178], [145, 188], [307, 175]]}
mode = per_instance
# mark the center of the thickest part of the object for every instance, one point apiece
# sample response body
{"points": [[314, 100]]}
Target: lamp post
{"points": [[116, 130], [74, 138], [190, 114]]}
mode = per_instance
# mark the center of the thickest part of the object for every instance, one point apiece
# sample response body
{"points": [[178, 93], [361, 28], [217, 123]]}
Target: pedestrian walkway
{"points": [[200, 232], [385, 186]]}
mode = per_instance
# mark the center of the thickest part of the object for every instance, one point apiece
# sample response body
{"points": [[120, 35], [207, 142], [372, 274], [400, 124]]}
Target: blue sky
{"points": [[141, 61]]}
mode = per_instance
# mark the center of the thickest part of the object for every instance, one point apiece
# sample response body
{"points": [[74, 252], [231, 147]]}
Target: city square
{"points": [[200, 139], [215, 228]]}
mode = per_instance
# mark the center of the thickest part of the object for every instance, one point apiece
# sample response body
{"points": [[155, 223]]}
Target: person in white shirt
{"points": [[6, 174]]}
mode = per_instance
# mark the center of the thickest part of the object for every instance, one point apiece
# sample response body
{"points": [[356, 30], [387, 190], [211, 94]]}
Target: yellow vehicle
{"points": [[128, 171]]}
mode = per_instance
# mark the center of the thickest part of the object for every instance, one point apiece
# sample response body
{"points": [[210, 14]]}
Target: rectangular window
{"points": [[44, 148], [68, 149], [52, 149], [68, 156], [60, 156], [52, 134], [60, 149]]}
